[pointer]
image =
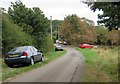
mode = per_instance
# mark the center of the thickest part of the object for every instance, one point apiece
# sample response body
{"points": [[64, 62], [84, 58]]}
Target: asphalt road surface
{"points": [[67, 68]]}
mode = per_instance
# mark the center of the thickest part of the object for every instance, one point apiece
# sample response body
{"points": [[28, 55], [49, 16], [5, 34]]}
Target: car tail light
{"points": [[24, 54], [5, 56]]}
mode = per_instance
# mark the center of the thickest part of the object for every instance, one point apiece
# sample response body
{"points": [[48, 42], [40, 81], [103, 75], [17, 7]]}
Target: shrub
{"points": [[13, 35]]}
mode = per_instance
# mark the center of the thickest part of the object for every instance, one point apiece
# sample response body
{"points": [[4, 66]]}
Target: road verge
{"points": [[101, 64], [8, 73]]}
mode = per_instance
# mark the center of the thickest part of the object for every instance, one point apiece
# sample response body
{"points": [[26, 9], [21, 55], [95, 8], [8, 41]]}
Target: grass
{"points": [[12, 72], [0, 70], [101, 64]]}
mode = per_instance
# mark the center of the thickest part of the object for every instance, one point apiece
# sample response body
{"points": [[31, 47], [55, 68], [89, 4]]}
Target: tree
{"points": [[21, 16], [56, 26], [33, 18], [111, 15], [113, 37], [105, 37], [101, 35], [75, 31], [12, 35], [90, 22], [69, 28], [33, 22]]}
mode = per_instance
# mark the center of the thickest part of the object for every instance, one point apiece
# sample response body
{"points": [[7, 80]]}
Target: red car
{"points": [[85, 46]]}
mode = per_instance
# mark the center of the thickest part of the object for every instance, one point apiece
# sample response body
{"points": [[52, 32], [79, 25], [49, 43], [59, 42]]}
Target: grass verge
{"points": [[101, 64], [12, 72]]}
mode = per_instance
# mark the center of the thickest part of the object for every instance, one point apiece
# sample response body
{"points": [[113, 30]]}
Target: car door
{"points": [[33, 53], [37, 54]]}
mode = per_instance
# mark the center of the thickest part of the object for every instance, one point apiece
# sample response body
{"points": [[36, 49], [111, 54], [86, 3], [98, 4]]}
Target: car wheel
{"points": [[32, 61], [42, 59], [56, 49]]}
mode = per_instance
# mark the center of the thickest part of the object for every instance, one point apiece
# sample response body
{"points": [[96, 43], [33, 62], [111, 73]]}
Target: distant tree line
{"points": [[56, 29], [76, 30], [106, 37], [110, 18]]}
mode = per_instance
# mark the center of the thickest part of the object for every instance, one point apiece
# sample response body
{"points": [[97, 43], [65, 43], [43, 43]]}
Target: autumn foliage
{"points": [[75, 30]]}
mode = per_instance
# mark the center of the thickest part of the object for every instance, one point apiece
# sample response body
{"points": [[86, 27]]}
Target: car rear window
{"points": [[19, 49], [85, 44]]}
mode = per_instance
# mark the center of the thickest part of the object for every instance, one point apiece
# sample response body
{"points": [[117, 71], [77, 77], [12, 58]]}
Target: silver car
{"points": [[23, 55], [58, 48]]}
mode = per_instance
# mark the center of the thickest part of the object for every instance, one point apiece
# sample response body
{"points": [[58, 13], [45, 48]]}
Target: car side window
{"points": [[31, 49], [34, 49]]}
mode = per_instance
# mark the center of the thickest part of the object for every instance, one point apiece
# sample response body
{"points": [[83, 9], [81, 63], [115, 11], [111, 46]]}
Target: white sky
{"points": [[58, 9]]}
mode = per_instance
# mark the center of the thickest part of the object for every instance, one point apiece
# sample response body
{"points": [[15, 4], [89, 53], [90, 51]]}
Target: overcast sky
{"points": [[58, 9]]}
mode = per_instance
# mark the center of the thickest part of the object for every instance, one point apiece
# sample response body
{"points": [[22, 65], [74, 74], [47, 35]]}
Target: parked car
{"points": [[64, 43], [23, 55], [58, 48], [86, 46], [60, 42]]}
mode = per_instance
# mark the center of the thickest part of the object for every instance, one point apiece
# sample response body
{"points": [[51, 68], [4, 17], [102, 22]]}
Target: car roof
{"points": [[24, 46]]}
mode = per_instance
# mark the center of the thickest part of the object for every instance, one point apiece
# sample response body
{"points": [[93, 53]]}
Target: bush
{"points": [[47, 44], [13, 35]]}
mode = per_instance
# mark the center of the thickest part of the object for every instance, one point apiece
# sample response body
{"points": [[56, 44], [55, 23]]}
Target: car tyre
{"points": [[42, 59], [32, 61], [56, 49]]}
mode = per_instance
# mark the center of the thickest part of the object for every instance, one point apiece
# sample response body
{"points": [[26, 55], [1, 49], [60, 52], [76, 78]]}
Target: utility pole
{"points": [[58, 33], [51, 25]]}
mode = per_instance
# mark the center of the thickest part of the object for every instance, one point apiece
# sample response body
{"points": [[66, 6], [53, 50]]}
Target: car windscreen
{"points": [[19, 49], [59, 46]]}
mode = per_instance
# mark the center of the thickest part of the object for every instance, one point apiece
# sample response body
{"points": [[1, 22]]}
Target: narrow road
{"points": [[67, 68]]}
